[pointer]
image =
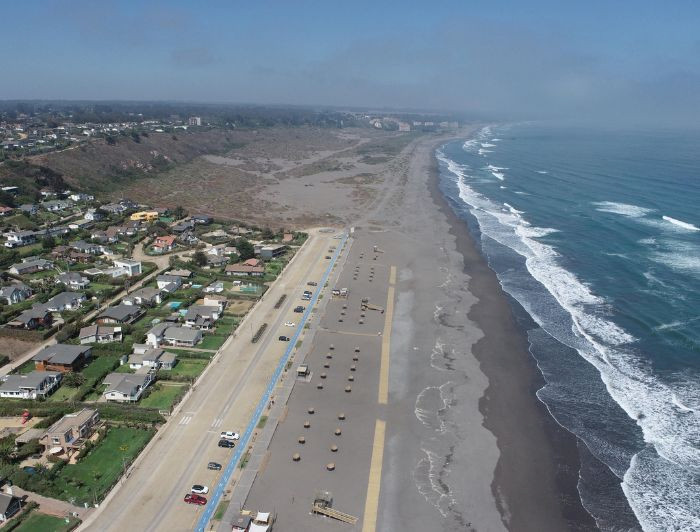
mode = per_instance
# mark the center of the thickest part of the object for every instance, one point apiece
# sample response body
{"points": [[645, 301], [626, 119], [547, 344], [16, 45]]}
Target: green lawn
{"points": [[163, 396], [64, 393], [25, 368], [226, 325], [32, 249], [99, 365], [184, 353], [212, 341], [189, 367], [38, 522], [95, 474]]}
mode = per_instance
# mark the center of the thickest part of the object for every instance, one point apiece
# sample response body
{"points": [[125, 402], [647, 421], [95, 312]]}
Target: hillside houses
{"points": [[31, 265], [33, 385], [73, 280], [14, 293], [63, 358]]}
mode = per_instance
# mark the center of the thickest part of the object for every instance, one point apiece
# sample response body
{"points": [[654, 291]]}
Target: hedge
{"points": [[109, 411]]}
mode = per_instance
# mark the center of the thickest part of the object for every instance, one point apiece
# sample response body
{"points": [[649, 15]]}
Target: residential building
{"points": [[202, 219], [195, 121], [79, 196], [9, 506], [153, 358], [123, 314], [185, 274], [4, 210], [57, 205], [182, 336], [216, 287], [202, 317], [70, 433], [110, 235], [168, 283], [270, 252], [154, 337], [215, 301], [144, 216], [187, 225], [245, 270], [113, 208], [29, 209], [146, 296], [35, 317], [131, 268], [87, 247], [64, 358], [73, 280], [30, 266], [126, 387], [65, 301], [33, 385], [19, 238], [101, 334], [217, 261], [163, 244], [15, 293]]}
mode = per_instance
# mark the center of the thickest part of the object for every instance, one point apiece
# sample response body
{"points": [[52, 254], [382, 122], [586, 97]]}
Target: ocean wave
{"points": [[542, 172], [487, 145], [669, 433], [483, 151], [624, 209], [679, 223]]}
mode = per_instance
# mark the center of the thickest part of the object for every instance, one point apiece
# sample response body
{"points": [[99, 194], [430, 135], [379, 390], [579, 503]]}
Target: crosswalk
{"points": [[217, 422], [185, 420]]}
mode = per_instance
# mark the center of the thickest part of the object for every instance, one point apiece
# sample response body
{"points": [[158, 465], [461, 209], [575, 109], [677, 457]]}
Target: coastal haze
{"points": [[366, 267]]}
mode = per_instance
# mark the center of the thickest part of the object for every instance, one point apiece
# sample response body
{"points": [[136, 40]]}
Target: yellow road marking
{"points": [[386, 341], [369, 523]]}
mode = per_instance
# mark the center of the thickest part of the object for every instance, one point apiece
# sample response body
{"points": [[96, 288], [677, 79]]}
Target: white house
{"points": [[168, 283], [33, 385], [131, 268], [126, 387]]}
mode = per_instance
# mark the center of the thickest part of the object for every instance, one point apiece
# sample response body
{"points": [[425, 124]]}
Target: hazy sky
{"points": [[600, 60]]}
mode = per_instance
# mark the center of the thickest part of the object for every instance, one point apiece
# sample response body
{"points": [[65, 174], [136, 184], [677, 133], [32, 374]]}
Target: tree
{"points": [[179, 212], [199, 258], [48, 242], [74, 380], [267, 233], [245, 249]]}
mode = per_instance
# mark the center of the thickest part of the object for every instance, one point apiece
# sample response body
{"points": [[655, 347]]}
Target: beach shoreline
{"points": [[535, 481]]}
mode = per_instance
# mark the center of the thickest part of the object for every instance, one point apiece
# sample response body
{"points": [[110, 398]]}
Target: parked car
{"points": [[230, 435], [199, 489], [312, 283], [299, 309], [328, 256], [227, 443], [214, 466], [284, 338], [192, 498], [289, 324]]}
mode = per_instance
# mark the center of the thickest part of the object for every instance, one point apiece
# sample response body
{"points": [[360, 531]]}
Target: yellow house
{"points": [[147, 216]]}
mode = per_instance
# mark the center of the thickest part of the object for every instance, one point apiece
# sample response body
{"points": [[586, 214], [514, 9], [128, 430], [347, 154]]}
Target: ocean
{"points": [[596, 237]]}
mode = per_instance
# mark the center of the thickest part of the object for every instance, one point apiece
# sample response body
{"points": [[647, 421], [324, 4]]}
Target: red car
{"points": [[193, 498]]}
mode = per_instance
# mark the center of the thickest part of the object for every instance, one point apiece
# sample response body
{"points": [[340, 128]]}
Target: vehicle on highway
{"points": [[312, 283], [214, 466], [193, 498], [227, 443], [229, 435], [328, 256], [299, 309], [290, 324], [200, 489], [283, 338]]}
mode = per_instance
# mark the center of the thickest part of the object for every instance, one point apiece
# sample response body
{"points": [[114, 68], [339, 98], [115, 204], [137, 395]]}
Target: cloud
{"points": [[192, 57]]}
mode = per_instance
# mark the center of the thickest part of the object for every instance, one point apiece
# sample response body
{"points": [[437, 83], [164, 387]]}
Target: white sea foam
{"points": [[651, 484], [483, 151], [496, 140], [679, 223], [427, 476], [487, 145], [624, 209], [501, 186], [542, 172]]}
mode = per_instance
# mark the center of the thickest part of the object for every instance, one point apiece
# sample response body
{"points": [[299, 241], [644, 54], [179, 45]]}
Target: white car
{"points": [[199, 489], [229, 435], [289, 324]]}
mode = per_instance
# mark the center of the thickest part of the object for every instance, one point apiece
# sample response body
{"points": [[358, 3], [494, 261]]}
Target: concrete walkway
{"points": [[52, 506]]}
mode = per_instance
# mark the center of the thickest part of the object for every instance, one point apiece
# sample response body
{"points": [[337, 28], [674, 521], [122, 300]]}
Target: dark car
{"points": [[193, 498], [227, 443], [328, 256], [312, 283], [214, 466], [284, 338], [299, 309]]}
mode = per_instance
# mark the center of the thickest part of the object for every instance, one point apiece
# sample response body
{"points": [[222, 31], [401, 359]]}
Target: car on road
{"points": [[290, 324], [312, 283], [214, 466], [299, 309], [230, 435], [283, 338], [227, 443], [199, 489], [328, 256], [193, 498]]}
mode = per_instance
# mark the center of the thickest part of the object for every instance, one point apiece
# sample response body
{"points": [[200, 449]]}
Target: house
{"points": [[123, 314], [73, 280], [30, 266], [154, 337], [126, 387], [216, 287], [245, 270], [287, 237], [70, 433], [163, 244], [130, 267], [63, 358], [185, 274], [33, 385], [80, 224], [29, 209], [9, 506], [79, 196], [87, 247], [216, 261], [183, 226], [154, 358], [15, 293], [202, 219], [101, 334], [60, 252], [4, 210], [19, 238], [182, 336], [65, 301], [77, 256], [113, 208], [188, 238], [57, 205], [215, 301], [202, 317], [144, 296], [35, 317], [110, 235], [218, 251], [270, 252], [166, 281], [144, 216]]}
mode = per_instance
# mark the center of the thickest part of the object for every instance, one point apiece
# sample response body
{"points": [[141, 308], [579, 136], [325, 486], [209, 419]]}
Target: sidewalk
{"points": [[52, 506]]}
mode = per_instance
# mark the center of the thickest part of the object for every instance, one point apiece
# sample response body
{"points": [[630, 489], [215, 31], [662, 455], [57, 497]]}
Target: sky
{"points": [[636, 62]]}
